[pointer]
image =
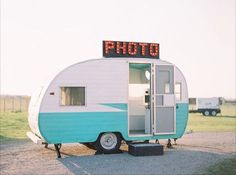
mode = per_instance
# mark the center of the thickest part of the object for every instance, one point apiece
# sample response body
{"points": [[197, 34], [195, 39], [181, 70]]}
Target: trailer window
{"points": [[178, 91], [73, 96]]}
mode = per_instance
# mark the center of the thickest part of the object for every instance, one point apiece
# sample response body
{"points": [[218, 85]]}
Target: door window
{"points": [[178, 92], [164, 78]]}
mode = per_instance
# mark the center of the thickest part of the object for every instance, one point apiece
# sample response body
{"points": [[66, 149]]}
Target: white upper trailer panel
{"points": [[106, 80]]}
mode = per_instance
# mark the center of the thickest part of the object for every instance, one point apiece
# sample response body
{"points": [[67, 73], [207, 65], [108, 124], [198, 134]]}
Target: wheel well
{"points": [[121, 136]]}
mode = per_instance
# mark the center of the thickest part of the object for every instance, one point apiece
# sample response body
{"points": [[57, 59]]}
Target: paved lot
{"points": [[193, 153]]}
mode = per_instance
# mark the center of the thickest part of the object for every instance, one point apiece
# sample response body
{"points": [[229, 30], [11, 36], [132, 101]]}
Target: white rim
{"points": [[108, 141], [206, 113], [213, 113]]}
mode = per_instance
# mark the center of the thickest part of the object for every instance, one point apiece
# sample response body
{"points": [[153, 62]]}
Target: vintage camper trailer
{"points": [[101, 102], [104, 101]]}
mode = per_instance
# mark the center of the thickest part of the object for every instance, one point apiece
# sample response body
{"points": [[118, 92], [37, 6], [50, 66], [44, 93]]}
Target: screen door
{"points": [[164, 100]]}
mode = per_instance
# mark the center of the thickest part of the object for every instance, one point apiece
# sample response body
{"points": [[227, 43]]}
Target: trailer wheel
{"points": [[206, 113], [108, 142], [213, 113]]}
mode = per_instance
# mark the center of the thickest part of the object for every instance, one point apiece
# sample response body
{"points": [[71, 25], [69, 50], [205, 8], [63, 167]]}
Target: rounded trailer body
{"points": [[141, 99]]}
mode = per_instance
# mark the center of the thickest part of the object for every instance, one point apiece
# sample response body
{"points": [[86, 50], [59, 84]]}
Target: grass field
{"points": [[224, 122], [15, 125]]}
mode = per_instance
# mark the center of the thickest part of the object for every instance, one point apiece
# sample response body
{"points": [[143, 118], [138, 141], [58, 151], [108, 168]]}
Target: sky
{"points": [[41, 38]]}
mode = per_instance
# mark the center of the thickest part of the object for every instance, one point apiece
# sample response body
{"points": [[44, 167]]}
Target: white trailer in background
{"points": [[206, 106]]}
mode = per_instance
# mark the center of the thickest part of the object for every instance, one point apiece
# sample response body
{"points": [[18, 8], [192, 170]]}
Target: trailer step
{"points": [[146, 149]]}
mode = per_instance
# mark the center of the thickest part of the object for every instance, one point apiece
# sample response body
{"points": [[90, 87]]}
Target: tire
{"points": [[213, 113], [206, 113], [108, 142]]}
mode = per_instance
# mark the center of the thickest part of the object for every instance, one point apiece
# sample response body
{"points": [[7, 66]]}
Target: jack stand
{"points": [[46, 145], [175, 139], [157, 141], [57, 148], [169, 145]]}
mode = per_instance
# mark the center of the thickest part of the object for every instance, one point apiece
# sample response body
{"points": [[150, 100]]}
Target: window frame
{"points": [[180, 91], [68, 86]]}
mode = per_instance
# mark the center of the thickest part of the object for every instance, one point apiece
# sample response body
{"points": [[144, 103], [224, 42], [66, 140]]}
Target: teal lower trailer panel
{"points": [[73, 127], [80, 126]]}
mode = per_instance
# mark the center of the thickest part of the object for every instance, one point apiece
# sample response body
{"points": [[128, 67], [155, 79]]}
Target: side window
{"points": [[178, 91], [72, 96]]}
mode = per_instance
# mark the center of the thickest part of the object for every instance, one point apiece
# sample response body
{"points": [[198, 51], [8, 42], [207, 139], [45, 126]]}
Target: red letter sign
{"points": [[132, 48], [143, 46], [153, 49], [123, 47], [113, 49], [109, 45]]}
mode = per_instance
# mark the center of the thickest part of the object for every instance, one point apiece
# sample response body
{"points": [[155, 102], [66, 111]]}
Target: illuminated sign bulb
{"points": [[132, 48], [153, 50], [119, 47], [109, 45]]}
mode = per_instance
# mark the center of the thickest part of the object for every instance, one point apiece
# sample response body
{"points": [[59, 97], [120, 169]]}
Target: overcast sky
{"points": [[40, 38]]}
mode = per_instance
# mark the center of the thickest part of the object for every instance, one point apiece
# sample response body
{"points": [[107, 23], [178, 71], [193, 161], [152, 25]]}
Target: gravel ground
{"points": [[192, 154]]}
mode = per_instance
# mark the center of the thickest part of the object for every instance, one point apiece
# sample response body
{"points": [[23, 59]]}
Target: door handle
{"points": [[177, 106]]}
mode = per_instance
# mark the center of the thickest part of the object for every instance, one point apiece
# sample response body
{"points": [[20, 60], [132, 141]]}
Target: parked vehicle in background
{"points": [[206, 106]]}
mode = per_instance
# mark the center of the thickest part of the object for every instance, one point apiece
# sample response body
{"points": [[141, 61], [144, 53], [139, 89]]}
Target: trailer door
{"points": [[164, 100]]}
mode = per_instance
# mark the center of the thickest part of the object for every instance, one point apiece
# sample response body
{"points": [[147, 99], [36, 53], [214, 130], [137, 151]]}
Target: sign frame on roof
{"points": [[130, 49]]}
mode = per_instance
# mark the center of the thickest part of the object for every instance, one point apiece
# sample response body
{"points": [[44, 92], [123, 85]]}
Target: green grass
{"points": [[13, 125], [227, 167], [224, 122], [228, 110]]}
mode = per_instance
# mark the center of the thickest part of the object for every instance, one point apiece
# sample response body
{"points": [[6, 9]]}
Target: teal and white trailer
{"points": [[104, 101]]}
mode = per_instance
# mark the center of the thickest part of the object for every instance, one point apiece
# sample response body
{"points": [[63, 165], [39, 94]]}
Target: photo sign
{"points": [[130, 49]]}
